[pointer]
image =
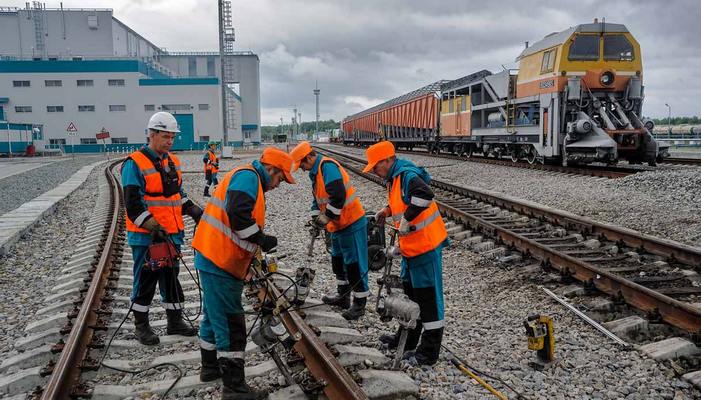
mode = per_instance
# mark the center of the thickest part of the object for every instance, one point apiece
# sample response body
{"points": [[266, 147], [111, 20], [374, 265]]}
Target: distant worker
{"points": [[336, 208], [211, 167], [227, 238], [155, 203], [411, 205]]}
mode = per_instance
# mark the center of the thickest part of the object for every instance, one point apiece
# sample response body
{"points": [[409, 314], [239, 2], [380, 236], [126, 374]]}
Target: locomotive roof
{"points": [[430, 88], [558, 38]]}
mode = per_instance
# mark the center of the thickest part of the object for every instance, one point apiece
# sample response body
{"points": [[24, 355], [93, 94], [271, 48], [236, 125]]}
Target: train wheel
{"points": [[531, 156], [514, 155], [468, 151]]}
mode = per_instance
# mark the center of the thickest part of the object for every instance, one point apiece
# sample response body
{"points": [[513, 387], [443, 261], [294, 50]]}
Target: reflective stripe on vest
{"points": [[166, 210], [430, 230], [352, 209], [216, 240]]}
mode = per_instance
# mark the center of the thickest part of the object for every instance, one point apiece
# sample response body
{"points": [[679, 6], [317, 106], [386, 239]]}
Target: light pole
{"points": [[316, 95], [669, 120]]}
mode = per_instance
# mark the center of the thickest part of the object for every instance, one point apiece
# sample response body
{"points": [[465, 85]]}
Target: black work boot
{"points": [[177, 326], [342, 300], [430, 347], [234, 381], [210, 366], [206, 191], [357, 310], [143, 330]]}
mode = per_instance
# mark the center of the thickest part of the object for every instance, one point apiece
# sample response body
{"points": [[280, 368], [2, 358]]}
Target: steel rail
{"points": [[682, 160], [670, 310], [321, 363], [67, 369]]}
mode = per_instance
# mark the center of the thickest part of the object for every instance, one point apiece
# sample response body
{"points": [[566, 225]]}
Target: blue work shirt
{"points": [[131, 175], [243, 181]]}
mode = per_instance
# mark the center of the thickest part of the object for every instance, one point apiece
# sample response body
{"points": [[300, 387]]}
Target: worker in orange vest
{"points": [[422, 236], [211, 167], [337, 209], [229, 233], [155, 202]]}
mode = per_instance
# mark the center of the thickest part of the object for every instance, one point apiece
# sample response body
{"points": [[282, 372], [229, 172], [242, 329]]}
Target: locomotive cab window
{"points": [[584, 47], [617, 48], [548, 64]]}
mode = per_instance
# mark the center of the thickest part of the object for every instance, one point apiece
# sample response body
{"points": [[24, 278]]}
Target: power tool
{"points": [[161, 255], [539, 329], [376, 244]]}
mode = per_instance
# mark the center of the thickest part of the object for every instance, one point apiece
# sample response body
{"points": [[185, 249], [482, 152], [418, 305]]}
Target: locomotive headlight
{"points": [[607, 78]]}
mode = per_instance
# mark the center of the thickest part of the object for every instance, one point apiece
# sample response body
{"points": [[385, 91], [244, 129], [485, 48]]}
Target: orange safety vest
{"points": [[212, 160], [352, 209], [166, 210], [215, 239], [430, 231]]}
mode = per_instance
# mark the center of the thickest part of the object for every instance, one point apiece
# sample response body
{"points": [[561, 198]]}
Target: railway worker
{"points": [[211, 167], [336, 208], [226, 240], [155, 203], [411, 205]]}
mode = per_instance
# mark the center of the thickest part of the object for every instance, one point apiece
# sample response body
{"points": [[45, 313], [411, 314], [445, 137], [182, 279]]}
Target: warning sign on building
{"points": [[72, 129]]}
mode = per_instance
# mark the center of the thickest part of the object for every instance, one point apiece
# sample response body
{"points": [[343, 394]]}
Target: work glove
{"points": [[404, 227], [381, 215], [215, 165], [158, 233], [321, 220], [268, 242]]}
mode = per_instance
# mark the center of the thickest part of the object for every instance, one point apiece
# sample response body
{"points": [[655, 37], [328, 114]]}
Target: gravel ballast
{"points": [[17, 189]]}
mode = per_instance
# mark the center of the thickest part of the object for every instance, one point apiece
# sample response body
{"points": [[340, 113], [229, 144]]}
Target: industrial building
{"points": [[83, 68]]}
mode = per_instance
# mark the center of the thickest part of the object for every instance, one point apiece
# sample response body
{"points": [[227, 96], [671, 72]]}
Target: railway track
{"points": [[658, 277], [600, 171], [60, 356], [682, 161]]}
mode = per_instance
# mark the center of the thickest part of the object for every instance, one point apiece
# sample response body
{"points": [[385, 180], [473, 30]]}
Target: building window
{"points": [[203, 107], [149, 107], [175, 107], [204, 138], [86, 108], [85, 82], [88, 141], [53, 83], [77, 58], [119, 140], [192, 66], [20, 83], [118, 107], [115, 82], [53, 109], [23, 109], [210, 67], [57, 141]]}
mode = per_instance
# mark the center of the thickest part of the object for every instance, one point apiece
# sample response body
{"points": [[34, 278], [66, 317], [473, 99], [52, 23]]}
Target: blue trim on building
{"points": [[178, 81], [249, 127], [4, 99], [62, 66], [16, 127]]}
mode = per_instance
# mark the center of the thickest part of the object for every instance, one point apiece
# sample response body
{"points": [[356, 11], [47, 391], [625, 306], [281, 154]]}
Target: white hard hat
{"points": [[163, 121]]}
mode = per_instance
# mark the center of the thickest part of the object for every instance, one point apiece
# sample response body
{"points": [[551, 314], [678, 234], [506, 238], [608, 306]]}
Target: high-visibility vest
{"points": [[212, 160], [352, 209], [430, 231], [215, 239], [167, 210]]}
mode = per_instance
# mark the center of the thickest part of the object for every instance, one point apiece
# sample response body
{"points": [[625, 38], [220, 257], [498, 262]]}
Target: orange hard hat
{"points": [[378, 152], [278, 159], [299, 152]]}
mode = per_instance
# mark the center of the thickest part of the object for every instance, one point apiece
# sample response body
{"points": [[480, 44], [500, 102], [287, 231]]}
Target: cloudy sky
{"points": [[363, 52]]}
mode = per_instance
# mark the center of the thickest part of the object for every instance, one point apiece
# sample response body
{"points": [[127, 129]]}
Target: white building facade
{"points": [[85, 68]]}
